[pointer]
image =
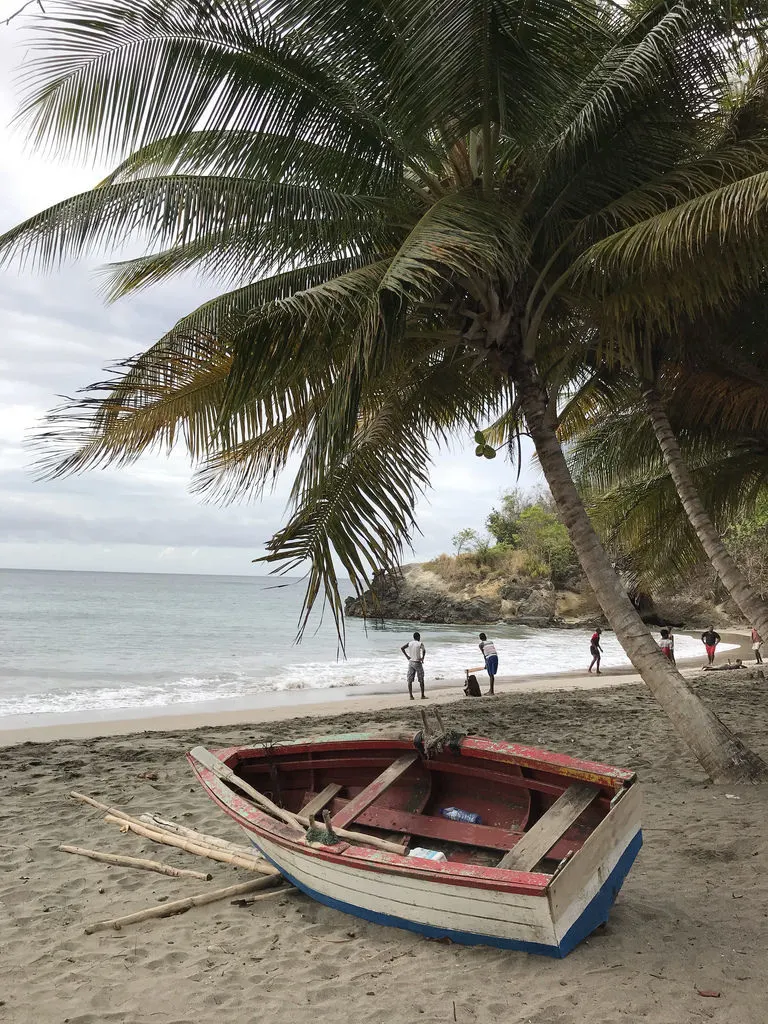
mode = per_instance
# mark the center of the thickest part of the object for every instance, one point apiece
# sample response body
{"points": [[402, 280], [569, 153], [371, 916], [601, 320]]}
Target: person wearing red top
{"points": [[595, 650]]}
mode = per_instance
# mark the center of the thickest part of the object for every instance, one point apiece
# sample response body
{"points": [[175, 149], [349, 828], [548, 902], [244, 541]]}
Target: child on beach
{"points": [[710, 639], [667, 644], [595, 650], [471, 686]]}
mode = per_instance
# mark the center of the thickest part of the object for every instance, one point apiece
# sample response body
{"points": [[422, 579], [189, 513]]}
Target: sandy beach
{"points": [[692, 917]]}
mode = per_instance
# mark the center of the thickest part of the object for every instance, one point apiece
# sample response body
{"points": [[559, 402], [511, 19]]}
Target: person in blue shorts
{"points": [[491, 658]]}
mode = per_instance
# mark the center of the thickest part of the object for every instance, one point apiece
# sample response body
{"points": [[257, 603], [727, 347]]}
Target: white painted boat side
{"points": [[411, 890], [404, 883], [456, 908], [586, 873]]}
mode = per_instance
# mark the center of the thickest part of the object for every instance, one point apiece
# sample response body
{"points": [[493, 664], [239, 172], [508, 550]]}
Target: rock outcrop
{"points": [[437, 592], [419, 594]]}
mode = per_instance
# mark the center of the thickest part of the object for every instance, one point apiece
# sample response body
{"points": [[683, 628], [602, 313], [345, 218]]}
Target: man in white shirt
{"points": [[415, 654]]}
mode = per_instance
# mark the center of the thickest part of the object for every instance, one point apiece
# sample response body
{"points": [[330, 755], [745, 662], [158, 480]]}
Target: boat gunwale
{"points": [[495, 751]]}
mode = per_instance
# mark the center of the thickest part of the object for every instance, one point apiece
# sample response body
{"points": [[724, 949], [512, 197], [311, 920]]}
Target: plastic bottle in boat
{"points": [[456, 814]]}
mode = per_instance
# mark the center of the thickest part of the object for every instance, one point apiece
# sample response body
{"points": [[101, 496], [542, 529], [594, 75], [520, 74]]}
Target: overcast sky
{"points": [[56, 337]]}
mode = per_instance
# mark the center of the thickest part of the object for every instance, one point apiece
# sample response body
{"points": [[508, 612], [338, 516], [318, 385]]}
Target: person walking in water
{"points": [[667, 644], [488, 650], [710, 639], [757, 643], [415, 653], [595, 650]]}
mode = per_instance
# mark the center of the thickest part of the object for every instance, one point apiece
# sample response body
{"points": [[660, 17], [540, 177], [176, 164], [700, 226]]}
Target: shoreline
{"points": [[304, 704]]}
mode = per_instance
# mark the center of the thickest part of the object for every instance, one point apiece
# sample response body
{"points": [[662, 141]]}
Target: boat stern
{"points": [[582, 893]]}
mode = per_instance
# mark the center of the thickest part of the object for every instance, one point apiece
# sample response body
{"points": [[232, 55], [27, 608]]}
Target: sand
{"points": [[693, 913]]}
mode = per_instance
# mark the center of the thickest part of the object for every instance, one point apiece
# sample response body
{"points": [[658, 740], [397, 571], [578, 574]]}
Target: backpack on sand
{"points": [[472, 687]]}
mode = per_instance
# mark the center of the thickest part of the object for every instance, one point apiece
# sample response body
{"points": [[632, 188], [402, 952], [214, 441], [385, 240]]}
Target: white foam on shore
{"points": [[540, 653]]}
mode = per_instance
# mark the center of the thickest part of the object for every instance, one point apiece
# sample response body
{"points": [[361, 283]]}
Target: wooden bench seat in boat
{"points": [[354, 807], [550, 827], [390, 819]]}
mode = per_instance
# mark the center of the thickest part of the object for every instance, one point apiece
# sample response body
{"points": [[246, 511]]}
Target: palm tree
{"points": [[719, 422], [715, 389], [386, 187], [726, 334], [750, 603]]}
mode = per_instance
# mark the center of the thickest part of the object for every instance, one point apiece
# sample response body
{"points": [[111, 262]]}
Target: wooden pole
{"points": [[179, 906], [136, 862], [100, 806], [168, 839], [154, 821], [283, 890], [361, 838]]}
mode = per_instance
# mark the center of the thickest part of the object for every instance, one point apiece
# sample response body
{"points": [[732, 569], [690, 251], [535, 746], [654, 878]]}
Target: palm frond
{"points": [[354, 504], [242, 226], [119, 77]]}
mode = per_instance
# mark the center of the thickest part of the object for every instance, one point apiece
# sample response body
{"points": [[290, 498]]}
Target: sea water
{"points": [[98, 642]]}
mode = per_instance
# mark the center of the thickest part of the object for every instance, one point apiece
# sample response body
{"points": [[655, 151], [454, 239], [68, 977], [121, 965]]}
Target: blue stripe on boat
{"points": [[594, 914], [596, 911]]}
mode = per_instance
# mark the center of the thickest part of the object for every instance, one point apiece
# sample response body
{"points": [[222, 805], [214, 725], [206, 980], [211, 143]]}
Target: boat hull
{"points": [[466, 903]]}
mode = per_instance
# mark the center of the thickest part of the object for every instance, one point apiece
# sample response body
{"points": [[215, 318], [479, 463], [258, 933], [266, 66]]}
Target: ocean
{"points": [[85, 642]]}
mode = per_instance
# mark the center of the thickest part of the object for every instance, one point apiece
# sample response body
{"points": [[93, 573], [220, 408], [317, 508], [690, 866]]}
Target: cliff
{"points": [[458, 590], [431, 592]]}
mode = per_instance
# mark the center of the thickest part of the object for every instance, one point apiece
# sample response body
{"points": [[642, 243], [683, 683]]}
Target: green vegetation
{"points": [[427, 218], [530, 540], [529, 524], [718, 424], [464, 540]]}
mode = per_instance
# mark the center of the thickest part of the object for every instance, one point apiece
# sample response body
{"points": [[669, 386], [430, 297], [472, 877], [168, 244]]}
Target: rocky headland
{"points": [[451, 590]]}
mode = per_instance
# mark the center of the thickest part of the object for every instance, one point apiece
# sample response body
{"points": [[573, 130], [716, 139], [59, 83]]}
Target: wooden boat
{"points": [[539, 873]]}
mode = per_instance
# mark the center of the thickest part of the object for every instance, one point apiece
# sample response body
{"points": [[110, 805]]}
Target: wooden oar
{"points": [[224, 772], [299, 821]]}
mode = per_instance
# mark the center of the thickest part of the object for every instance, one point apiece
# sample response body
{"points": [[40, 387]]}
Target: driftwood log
{"points": [[179, 906], [157, 822], [157, 835], [136, 862]]}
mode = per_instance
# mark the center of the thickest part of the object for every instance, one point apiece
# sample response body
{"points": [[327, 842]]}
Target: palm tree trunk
{"points": [[753, 607], [722, 755]]}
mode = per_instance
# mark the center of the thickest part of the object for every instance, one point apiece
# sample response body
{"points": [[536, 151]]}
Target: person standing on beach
{"points": [[667, 644], [488, 650], [415, 653], [757, 643], [710, 639], [595, 650]]}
